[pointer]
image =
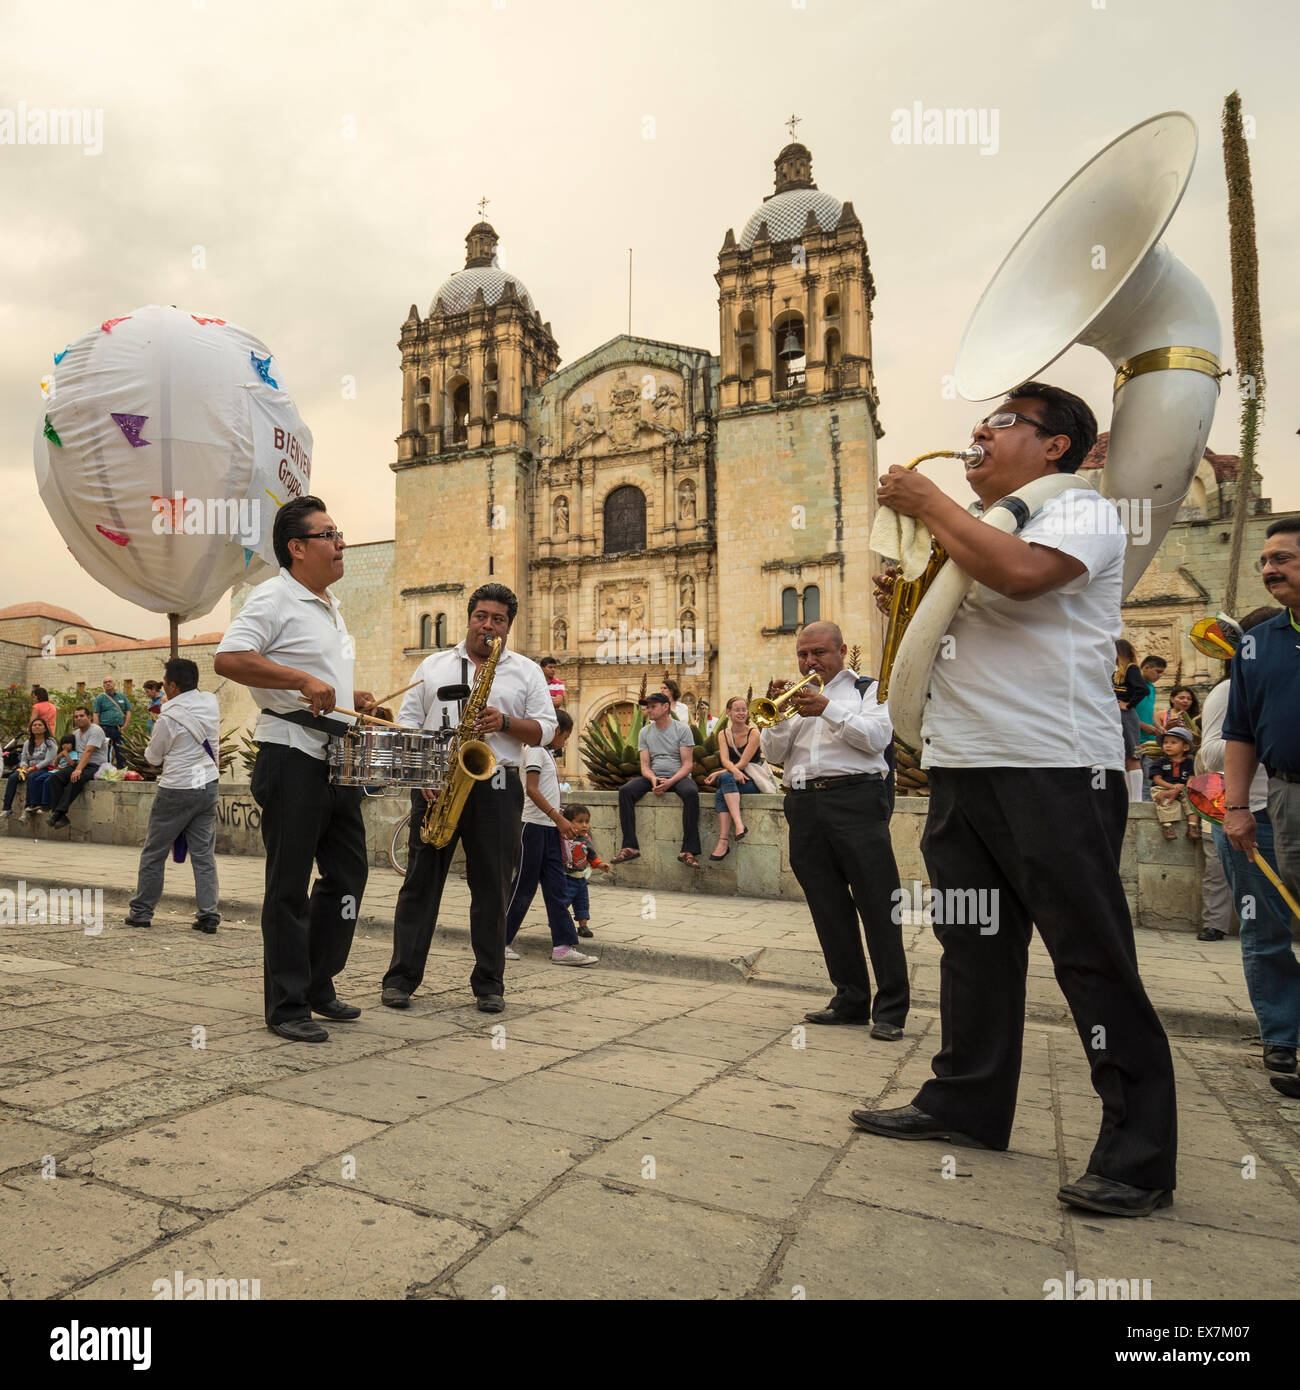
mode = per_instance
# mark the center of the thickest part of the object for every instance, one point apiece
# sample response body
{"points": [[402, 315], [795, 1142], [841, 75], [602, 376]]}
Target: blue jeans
{"points": [[540, 863], [577, 898], [1267, 956], [727, 784]]}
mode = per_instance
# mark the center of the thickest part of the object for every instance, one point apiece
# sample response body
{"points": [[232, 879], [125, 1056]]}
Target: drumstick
{"points": [[373, 718], [384, 699]]}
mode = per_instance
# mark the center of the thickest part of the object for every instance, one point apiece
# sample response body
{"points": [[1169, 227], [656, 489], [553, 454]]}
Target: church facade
{"points": [[656, 507]]}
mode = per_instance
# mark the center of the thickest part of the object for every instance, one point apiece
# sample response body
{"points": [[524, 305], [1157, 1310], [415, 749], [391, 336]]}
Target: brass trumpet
{"points": [[763, 713]]}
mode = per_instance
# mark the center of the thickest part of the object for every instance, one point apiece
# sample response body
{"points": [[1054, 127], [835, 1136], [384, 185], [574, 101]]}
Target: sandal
{"points": [[687, 858], [718, 858], [742, 834], [624, 855]]}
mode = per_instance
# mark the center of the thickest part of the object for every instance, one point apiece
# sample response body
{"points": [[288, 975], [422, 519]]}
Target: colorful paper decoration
{"points": [[170, 518]]}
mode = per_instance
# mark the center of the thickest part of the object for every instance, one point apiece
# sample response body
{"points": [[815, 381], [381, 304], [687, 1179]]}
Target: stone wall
{"points": [[1162, 878], [14, 657]]}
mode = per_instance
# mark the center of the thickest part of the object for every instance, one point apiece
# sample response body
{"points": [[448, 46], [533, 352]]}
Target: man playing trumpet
{"points": [[1022, 741], [837, 805]]}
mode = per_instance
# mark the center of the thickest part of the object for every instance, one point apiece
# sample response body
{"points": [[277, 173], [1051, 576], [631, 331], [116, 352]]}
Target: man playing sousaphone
{"points": [[519, 711], [1021, 738], [288, 639]]}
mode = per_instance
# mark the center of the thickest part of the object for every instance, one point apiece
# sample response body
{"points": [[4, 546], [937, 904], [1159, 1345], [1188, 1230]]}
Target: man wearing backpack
{"points": [[838, 802]]}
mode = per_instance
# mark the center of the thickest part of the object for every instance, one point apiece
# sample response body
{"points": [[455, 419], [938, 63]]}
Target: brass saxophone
{"points": [[469, 760]]}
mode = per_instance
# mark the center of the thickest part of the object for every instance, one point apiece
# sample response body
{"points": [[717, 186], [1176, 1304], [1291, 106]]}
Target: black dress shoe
{"points": [[907, 1122], [1279, 1058], [1210, 934], [889, 1032], [300, 1030], [337, 1009], [491, 1004], [1092, 1192], [57, 822], [395, 998], [207, 925], [833, 1016], [138, 922], [1288, 1085]]}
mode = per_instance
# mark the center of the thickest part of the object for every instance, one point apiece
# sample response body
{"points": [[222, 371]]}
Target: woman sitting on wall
{"points": [[37, 758]]}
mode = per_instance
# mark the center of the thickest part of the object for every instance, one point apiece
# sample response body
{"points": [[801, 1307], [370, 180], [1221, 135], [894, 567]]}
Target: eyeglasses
{"points": [[1279, 559], [1004, 420], [331, 535]]}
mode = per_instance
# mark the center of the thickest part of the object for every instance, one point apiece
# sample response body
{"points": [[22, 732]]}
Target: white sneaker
{"points": [[4, 815], [512, 954], [570, 955]]}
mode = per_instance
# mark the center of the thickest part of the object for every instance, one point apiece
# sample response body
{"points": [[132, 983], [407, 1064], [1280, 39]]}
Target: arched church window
{"points": [[422, 419], [747, 362], [790, 344], [812, 605], [490, 370], [745, 324], [440, 631], [833, 347], [460, 413], [490, 406], [624, 520], [423, 388], [426, 631], [789, 609], [832, 306]]}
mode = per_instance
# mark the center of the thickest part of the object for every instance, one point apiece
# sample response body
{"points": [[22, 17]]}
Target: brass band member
{"points": [[838, 805], [1028, 806], [519, 712], [290, 637]]}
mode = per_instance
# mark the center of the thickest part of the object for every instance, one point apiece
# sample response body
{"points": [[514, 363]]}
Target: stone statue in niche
{"points": [[561, 634], [688, 592], [561, 527], [686, 503]]}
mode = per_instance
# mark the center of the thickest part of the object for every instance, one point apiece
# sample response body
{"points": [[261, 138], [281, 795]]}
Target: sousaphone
{"points": [[1091, 269]]}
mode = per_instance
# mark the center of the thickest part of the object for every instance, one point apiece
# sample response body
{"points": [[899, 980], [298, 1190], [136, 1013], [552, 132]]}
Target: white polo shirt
{"points": [[540, 761], [519, 690], [1028, 684], [1211, 754], [177, 740], [850, 735], [285, 622]]}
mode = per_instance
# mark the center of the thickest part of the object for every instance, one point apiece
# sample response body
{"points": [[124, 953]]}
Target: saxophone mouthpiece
{"points": [[972, 455]]}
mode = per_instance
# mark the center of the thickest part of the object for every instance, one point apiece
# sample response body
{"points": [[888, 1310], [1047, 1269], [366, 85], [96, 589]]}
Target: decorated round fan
{"points": [[1205, 791]]}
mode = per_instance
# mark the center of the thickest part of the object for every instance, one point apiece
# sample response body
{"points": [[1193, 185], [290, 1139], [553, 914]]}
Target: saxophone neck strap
{"points": [[310, 721]]}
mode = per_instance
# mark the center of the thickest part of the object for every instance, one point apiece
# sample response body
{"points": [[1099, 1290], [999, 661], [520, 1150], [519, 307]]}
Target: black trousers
{"points": [[635, 788], [1045, 844], [841, 854], [306, 817], [63, 791], [491, 826]]}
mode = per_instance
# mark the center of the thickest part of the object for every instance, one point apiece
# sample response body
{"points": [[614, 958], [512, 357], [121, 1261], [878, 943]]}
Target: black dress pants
{"points": [[491, 826], [1042, 846], [841, 854], [63, 791], [306, 817], [636, 787]]}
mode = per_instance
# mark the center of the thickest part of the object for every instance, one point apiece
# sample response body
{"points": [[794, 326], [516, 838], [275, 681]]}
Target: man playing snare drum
{"points": [[289, 638]]}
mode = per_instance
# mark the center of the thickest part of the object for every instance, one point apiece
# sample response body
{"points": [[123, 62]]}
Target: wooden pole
{"points": [[174, 624]]}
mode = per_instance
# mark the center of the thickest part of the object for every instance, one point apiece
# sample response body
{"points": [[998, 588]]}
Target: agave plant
{"points": [[610, 758], [247, 752]]}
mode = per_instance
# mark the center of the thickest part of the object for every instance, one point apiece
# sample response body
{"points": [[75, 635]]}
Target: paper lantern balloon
{"points": [[166, 446]]}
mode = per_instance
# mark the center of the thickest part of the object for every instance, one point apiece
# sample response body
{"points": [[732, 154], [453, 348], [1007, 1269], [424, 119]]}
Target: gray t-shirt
{"points": [[665, 760], [98, 741]]}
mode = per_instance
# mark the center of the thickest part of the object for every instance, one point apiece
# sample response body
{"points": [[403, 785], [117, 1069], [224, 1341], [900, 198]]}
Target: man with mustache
{"points": [[1261, 725], [1028, 805]]}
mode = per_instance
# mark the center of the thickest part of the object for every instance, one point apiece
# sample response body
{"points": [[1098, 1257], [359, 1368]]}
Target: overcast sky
{"points": [[328, 157]]}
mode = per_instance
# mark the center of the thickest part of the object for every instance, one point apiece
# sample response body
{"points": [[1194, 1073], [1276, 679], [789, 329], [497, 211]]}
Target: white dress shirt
{"points": [[1028, 683], [850, 735], [519, 690], [1210, 756], [185, 764], [288, 624], [539, 760]]}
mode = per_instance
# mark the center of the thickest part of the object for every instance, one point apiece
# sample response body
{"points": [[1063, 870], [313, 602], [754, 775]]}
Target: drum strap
{"points": [[310, 721]]}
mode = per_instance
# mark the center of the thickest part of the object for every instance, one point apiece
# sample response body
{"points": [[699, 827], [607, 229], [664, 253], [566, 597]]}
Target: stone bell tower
{"points": [[797, 427], [463, 465]]}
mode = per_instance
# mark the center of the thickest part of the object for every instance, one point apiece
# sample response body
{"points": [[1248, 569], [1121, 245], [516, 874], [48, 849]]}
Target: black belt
{"points": [[847, 779], [1281, 775]]}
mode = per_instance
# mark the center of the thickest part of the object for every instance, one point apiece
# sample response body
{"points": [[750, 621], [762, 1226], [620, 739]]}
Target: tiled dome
{"points": [[786, 213], [457, 291]]}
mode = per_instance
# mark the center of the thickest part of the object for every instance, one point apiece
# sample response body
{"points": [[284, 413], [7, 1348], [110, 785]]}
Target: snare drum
{"points": [[368, 758], [422, 761]]}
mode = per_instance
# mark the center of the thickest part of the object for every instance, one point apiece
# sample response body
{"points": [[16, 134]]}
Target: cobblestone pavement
{"points": [[613, 1134]]}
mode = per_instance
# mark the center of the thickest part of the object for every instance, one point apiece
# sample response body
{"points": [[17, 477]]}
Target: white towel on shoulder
{"points": [[904, 537]]}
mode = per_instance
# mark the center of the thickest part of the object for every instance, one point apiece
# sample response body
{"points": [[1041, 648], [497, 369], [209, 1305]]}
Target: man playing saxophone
{"points": [[519, 711], [1021, 738]]}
